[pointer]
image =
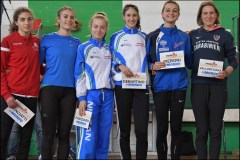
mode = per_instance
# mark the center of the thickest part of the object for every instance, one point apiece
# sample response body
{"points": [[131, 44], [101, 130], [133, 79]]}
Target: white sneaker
{"points": [[40, 157], [11, 158]]}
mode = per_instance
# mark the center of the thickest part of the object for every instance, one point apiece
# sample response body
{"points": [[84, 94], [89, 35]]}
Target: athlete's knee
{"points": [[63, 135]]}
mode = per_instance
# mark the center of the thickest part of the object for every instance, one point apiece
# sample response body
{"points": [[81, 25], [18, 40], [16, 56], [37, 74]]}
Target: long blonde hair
{"points": [[77, 23]]}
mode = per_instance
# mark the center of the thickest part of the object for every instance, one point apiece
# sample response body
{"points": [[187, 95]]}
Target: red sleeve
{"points": [[5, 52]]}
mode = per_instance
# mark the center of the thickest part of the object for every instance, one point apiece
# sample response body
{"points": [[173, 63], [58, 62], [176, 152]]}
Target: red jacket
{"points": [[20, 66]]}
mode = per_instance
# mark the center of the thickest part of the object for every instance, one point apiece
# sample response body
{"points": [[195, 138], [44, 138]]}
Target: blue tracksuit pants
{"points": [[94, 141]]}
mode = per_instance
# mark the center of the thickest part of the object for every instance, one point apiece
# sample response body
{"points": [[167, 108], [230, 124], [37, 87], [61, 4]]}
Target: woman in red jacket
{"points": [[20, 70]]}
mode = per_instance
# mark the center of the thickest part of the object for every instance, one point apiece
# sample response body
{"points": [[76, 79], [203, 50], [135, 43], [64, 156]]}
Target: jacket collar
{"points": [[168, 31], [215, 28], [129, 30], [96, 43], [23, 37]]}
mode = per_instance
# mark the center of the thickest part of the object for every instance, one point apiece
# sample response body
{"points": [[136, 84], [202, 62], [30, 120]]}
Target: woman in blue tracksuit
{"points": [[58, 51], [169, 85], [128, 47], [94, 87]]}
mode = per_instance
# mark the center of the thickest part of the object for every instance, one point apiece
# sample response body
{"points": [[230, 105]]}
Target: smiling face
{"points": [[208, 16], [170, 13], [24, 23], [131, 17], [98, 28], [66, 19]]}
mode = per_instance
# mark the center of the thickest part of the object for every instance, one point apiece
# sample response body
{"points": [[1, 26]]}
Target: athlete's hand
{"points": [[158, 65], [82, 107], [11, 102], [221, 75], [126, 70]]}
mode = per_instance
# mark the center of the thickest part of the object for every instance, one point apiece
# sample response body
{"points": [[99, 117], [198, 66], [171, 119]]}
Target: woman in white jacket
{"points": [[128, 48]]}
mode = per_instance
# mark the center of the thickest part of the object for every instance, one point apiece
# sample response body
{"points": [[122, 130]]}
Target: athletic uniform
{"points": [[169, 86], [128, 47], [95, 85], [58, 95], [20, 71], [209, 95]]}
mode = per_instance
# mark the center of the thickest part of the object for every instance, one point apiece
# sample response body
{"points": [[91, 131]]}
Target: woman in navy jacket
{"points": [[213, 43]]}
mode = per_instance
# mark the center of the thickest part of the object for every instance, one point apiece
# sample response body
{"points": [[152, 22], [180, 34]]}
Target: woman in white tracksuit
{"points": [[128, 48], [94, 87]]}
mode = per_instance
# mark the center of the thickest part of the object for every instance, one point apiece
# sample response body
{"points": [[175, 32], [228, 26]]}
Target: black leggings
{"points": [[57, 111], [25, 132], [208, 102], [165, 101], [138, 100]]}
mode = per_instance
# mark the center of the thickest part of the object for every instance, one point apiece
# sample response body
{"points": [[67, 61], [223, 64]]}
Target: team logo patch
{"points": [[216, 37], [163, 43], [35, 46]]}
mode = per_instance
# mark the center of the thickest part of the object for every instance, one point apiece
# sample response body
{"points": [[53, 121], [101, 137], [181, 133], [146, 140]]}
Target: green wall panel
{"points": [[229, 9], [47, 10]]}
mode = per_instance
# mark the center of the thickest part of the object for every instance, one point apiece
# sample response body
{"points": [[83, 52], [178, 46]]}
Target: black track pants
{"points": [[136, 101], [58, 106], [208, 103], [165, 101]]}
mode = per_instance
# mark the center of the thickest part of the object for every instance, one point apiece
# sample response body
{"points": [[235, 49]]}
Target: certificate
{"points": [[173, 59], [209, 68], [138, 81], [82, 121], [21, 114]]}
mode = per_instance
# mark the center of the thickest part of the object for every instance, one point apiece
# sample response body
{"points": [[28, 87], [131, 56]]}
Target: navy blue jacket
{"points": [[216, 45]]}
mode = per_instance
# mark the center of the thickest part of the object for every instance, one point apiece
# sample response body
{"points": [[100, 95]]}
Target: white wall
{"points": [[151, 19], [10, 9]]}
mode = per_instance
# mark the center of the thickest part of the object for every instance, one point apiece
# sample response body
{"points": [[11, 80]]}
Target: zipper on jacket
{"points": [[134, 49], [27, 40], [102, 94]]}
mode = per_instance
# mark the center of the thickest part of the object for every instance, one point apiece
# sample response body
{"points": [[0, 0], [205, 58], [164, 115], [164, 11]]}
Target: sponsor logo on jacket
{"points": [[178, 44], [107, 57], [95, 57], [140, 44], [126, 44], [88, 131], [17, 43]]}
